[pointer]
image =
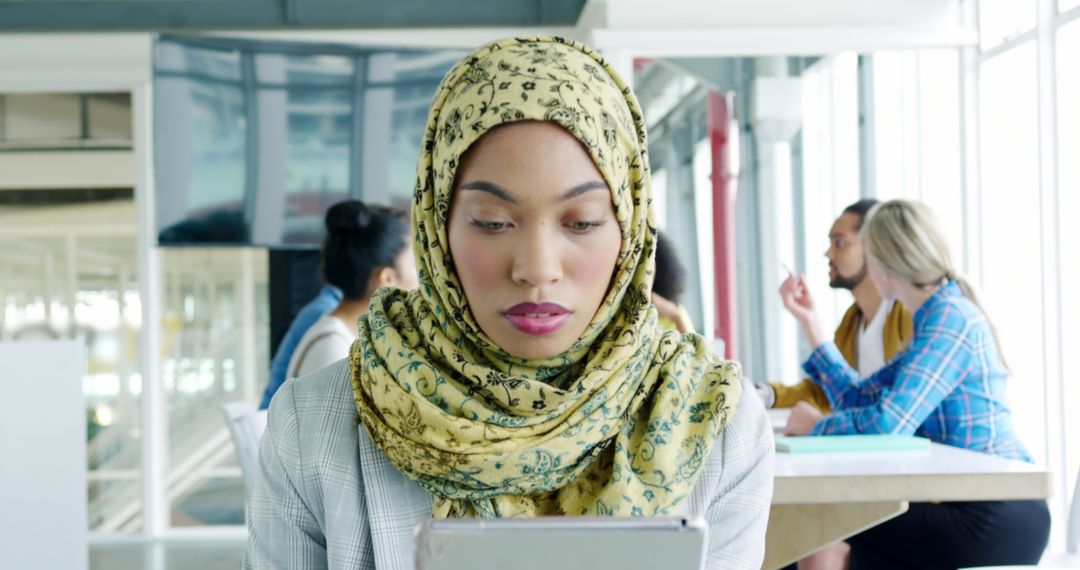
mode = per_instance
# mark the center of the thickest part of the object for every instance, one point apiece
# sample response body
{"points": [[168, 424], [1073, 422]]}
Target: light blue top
{"points": [[327, 300]]}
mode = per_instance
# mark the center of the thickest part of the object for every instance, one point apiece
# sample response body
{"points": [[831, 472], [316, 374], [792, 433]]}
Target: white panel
{"points": [[448, 38], [67, 169], [728, 41], [776, 104], [43, 453], [650, 14], [155, 417], [273, 146], [378, 126], [703, 225], [73, 62]]}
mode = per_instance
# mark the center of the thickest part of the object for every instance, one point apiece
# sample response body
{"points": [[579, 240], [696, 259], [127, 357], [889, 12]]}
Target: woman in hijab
{"points": [[527, 376]]}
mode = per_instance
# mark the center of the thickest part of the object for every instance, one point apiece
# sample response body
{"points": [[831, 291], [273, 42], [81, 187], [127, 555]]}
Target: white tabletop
{"points": [[942, 473]]}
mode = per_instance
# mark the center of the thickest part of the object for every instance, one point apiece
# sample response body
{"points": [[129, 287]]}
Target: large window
{"points": [[913, 105], [1011, 235], [1000, 20], [830, 173], [1026, 204], [1068, 128]]}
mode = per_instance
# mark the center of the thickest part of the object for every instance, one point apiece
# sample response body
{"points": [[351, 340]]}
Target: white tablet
{"points": [[562, 543]]}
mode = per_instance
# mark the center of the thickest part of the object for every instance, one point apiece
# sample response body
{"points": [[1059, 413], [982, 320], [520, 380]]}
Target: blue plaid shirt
{"points": [[948, 385]]}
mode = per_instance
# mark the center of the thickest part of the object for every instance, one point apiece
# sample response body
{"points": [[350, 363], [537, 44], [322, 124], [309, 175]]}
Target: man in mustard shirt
{"points": [[873, 329]]}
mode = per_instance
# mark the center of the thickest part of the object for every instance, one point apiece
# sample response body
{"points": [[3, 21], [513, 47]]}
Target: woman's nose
{"points": [[538, 262]]}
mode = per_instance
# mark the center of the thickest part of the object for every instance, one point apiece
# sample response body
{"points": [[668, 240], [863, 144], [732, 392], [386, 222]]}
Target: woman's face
{"points": [[534, 237]]}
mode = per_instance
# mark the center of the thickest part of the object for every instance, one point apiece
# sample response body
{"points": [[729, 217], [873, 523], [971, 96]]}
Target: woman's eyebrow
{"points": [[583, 188], [490, 189]]}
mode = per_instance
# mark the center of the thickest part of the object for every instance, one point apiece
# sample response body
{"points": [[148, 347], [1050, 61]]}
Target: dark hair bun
{"points": [[348, 217], [359, 240]]}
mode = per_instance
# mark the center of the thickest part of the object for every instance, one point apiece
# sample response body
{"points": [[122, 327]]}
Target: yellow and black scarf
{"points": [[619, 424]]}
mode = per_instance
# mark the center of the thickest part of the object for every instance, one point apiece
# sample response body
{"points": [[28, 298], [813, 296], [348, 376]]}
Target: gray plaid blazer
{"points": [[327, 497]]}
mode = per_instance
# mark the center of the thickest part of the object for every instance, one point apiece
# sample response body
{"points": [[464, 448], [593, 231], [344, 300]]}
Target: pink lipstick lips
{"points": [[537, 318]]}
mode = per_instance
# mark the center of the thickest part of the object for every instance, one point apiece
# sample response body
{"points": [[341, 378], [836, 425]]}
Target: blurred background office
{"points": [[162, 194]]}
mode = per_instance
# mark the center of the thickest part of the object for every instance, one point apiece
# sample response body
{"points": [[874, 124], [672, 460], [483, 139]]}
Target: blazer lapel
{"points": [[395, 503]]}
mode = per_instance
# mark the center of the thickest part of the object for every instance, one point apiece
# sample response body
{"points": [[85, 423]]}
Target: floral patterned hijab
{"points": [[620, 423]]}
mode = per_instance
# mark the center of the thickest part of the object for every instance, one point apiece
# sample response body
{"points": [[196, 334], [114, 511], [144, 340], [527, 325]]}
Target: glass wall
{"points": [[206, 124], [215, 350], [255, 140], [67, 270]]}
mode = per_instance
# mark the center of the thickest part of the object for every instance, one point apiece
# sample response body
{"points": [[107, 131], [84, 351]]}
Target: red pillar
{"points": [[720, 107]]}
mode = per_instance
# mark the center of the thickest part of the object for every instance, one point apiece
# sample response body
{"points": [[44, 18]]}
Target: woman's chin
{"points": [[536, 352], [535, 347]]}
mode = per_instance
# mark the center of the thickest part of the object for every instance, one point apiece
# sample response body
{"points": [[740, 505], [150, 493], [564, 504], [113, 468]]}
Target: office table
{"points": [[819, 498]]}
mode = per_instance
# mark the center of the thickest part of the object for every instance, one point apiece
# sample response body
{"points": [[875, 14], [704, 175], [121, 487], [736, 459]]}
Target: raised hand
{"points": [[796, 297]]}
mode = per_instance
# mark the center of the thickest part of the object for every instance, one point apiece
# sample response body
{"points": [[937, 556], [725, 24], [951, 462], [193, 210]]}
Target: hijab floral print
{"points": [[621, 422]]}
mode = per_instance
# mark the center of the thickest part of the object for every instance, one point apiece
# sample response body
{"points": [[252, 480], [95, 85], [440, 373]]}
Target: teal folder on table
{"points": [[839, 443]]}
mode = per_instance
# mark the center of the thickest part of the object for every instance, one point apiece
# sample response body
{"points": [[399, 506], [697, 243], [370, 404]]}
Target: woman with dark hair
{"points": [[668, 286], [365, 248]]}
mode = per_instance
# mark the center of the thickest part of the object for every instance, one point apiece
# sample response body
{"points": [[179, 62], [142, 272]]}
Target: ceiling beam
{"points": [[200, 15]]}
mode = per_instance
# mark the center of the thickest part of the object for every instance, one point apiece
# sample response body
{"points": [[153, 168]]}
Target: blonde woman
{"points": [[527, 376], [948, 385]]}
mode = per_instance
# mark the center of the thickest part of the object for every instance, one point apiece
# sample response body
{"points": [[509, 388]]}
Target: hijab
{"points": [[618, 424]]}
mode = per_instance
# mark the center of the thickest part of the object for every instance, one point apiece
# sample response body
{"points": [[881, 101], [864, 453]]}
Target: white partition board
{"points": [[43, 455]]}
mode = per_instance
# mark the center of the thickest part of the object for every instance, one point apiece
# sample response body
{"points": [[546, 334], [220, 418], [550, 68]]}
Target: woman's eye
{"points": [[489, 226], [583, 227]]}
